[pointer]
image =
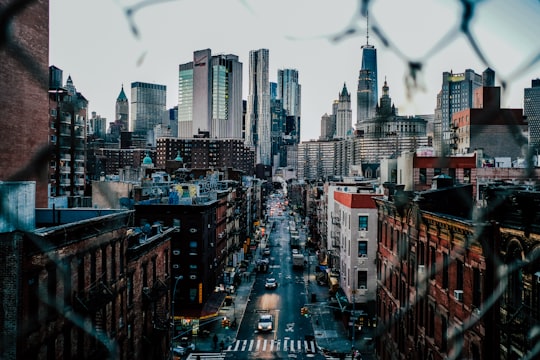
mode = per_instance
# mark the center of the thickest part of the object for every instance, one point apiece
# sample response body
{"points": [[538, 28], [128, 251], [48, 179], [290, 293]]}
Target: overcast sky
{"points": [[93, 41]]}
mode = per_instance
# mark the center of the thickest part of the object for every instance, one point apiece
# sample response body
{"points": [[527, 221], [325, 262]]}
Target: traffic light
{"points": [[304, 311], [225, 323]]}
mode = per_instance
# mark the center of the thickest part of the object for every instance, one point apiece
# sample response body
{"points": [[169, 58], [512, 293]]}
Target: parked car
{"points": [[266, 323], [270, 283], [266, 251], [184, 347]]}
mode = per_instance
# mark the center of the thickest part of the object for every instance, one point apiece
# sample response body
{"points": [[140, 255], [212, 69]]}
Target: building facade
{"points": [[531, 110], [343, 115], [456, 94], [258, 119], [148, 105], [367, 93], [205, 153], [435, 275], [487, 126], [68, 117], [210, 96]]}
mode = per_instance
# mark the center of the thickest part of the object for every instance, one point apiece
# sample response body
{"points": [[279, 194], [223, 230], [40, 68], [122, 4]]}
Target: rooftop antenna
{"points": [[367, 27]]}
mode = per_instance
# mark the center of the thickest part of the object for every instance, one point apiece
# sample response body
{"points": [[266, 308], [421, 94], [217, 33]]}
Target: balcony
{"points": [[95, 297]]}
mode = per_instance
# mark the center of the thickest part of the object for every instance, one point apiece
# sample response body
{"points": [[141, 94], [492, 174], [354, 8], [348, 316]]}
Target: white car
{"points": [[270, 283], [265, 323]]}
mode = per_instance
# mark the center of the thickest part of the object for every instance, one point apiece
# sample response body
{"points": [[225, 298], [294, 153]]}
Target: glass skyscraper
{"points": [[210, 96], [258, 120], [148, 105], [367, 93]]}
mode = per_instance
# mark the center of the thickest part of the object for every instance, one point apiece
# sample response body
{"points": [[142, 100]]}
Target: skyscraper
{"points": [[210, 96], [344, 114], [531, 109], [289, 91], [122, 110], [148, 104], [456, 94], [367, 93], [258, 121]]}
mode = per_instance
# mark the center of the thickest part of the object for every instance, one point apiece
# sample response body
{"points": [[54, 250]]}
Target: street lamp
{"points": [[178, 278], [354, 276]]}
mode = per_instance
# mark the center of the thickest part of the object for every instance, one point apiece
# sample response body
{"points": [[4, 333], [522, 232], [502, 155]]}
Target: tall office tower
{"points": [[210, 96], [68, 116], [343, 115], [258, 121], [289, 91], [328, 126], [23, 120], [122, 110], [148, 103], [367, 93], [273, 90], [531, 110], [456, 94]]}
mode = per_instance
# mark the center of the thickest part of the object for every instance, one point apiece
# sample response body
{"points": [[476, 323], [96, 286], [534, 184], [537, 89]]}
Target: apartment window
{"points": [[362, 222], [444, 331], [423, 176], [477, 288], [362, 248], [362, 279], [433, 263], [459, 275], [130, 290], [445, 271]]}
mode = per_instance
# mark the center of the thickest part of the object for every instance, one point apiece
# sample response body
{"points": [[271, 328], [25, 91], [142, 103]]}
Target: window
{"points": [[362, 248], [362, 222], [423, 176], [459, 275], [445, 271], [362, 279]]}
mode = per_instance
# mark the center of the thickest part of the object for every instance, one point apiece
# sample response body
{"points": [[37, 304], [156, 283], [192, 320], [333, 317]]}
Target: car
{"points": [[184, 347], [295, 251], [270, 283], [266, 323], [266, 251]]}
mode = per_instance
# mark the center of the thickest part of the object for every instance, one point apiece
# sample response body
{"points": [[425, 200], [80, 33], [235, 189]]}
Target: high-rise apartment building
{"points": [[367, 93], [68, 116], [289, 91], [148, 104], [531, 110], [344, 114], [23, 118], [258, 119], [210, 96], [456, 94]]}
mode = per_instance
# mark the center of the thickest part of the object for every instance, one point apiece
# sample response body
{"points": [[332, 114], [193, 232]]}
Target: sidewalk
{"points": [[330, 332], [233, 311]]}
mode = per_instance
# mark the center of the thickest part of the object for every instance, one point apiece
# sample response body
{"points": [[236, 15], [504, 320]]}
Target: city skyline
{"points": [[295, 41]]}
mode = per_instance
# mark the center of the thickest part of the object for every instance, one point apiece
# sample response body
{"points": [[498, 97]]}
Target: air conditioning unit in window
{"points": [[458, 294], [421, 269], [362, 233]]}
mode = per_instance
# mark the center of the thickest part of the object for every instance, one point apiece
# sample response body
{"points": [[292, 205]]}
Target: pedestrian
{"points": [[222, 345], [215, 339]]}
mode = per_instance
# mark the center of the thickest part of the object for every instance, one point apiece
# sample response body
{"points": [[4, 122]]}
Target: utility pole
{"points": [[354, 276], [172, 311]]}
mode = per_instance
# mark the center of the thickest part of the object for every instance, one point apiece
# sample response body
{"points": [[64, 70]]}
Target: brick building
{"points": [[74, 284], [23, 119], [435, 273]]}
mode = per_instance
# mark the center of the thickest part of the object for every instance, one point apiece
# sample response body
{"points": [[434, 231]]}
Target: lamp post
{"points": [[354, 276], [178, 278]]}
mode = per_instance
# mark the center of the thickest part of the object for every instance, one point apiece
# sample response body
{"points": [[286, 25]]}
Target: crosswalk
{"points": [[266, 345]]}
